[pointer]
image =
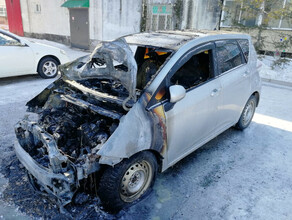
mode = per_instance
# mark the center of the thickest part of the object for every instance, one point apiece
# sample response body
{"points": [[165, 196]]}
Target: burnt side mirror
{"points": [[177, 93]]}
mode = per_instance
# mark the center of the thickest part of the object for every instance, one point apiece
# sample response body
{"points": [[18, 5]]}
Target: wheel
{"points": [[48, 68], [128, 181], [247, 113]]}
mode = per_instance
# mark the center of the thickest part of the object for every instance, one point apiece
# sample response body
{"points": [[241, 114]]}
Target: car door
{"points": [[15, 58], [235, 81], [193, 120]]}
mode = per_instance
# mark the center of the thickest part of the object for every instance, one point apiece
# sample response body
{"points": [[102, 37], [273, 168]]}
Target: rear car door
{"points": [[192, 120], [15, 59], [234, 77]]}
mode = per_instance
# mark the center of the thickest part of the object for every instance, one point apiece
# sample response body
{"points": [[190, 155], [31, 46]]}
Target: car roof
{"points": [[175, 39]]}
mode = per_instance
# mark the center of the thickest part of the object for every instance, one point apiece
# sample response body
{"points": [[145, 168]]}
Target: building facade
{"points": [[182, 14], [83, 23], [269, 20], [90, 21], [3, 15]]}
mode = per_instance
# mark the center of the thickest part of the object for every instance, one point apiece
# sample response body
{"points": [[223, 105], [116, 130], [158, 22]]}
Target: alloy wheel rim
{"points": [[50, 68]]}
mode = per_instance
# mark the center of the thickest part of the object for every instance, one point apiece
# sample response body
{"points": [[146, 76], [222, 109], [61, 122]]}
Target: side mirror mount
{"points": [[177, 93]]}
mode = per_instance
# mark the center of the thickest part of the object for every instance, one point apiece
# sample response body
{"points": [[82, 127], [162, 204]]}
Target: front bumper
{"points": [[46, 181], [61, 177]]}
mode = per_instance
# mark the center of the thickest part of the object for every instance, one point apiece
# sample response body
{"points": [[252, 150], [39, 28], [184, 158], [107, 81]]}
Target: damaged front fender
{"points": [[138, 130]]}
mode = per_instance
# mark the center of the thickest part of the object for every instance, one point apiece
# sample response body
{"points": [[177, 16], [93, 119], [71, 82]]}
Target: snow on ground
{"points": [[283, 73]]}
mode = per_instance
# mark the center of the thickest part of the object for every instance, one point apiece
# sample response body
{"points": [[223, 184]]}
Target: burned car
{"points": [[136, 106]]}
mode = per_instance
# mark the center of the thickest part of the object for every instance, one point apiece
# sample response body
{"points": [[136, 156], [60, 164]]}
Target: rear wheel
{"points": [[128, 181], [48, 68], [247, 113]]}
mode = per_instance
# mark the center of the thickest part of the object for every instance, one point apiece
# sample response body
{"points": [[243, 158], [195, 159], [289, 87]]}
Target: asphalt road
{"points": [[238, 175]]}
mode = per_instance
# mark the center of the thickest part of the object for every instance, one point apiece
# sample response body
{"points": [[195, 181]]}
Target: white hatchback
{"points": [[19, 56], [136, 106]]}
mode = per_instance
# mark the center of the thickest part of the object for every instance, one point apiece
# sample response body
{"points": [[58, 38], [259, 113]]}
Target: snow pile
{"points": [[279, 73]]}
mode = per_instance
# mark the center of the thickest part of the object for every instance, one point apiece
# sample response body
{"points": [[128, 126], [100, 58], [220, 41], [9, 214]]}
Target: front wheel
{"points": [[128, 181], [247, 113], [48, 68]]}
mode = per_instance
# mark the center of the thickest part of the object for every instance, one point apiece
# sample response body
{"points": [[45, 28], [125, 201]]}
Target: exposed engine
{"points": [[79, 123]]}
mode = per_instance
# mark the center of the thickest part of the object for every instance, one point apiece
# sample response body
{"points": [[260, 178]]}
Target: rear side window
{"points": [[228, 55], [245, 48]]}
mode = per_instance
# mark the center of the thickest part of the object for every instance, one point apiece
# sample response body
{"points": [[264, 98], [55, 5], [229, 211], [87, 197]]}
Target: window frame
{"points": [[179, 63], [260, 18], [246, 60]]}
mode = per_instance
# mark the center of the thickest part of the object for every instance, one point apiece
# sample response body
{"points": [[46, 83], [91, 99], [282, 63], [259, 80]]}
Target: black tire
{"points": [[48, 68], [247, 114], [116, 182]]}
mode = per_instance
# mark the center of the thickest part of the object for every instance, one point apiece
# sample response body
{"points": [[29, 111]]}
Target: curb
{"points": [[278, 82]]}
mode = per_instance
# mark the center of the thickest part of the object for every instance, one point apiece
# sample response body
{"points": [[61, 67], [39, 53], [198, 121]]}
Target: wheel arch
{"points": [[158, 157], [48, 56], [257, 95]]}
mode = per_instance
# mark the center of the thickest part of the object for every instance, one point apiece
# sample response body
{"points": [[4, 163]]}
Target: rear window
{"points": [[245, 48], [228, 55]]}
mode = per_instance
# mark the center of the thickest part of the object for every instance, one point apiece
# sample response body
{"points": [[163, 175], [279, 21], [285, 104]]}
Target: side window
{"points": [[7, 41], [195, 71], [228, 55], [245, 48]]}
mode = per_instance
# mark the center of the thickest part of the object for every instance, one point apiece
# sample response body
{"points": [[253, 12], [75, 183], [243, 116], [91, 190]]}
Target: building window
{"points": [[287, 22], [161, 17], [3, 11], [271, 14]]}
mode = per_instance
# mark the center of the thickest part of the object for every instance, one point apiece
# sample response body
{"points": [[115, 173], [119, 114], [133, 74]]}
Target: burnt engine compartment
{"points": [[80, 123], [76, 130]]}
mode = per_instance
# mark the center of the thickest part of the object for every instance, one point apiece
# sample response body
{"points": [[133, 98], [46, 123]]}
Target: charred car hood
{"points": [[110, 60]]}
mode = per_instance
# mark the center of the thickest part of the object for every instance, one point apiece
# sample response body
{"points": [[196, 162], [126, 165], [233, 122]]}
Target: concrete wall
{"points": [[121, 17], [200, 14], [51, 19], [110, 19]]}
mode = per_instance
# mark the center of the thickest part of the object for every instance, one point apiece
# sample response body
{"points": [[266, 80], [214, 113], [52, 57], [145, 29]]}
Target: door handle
{"points": [[215, 92]]}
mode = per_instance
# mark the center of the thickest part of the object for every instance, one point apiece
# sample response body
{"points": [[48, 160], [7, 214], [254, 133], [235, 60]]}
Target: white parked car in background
{"points": [[19, 56]]}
